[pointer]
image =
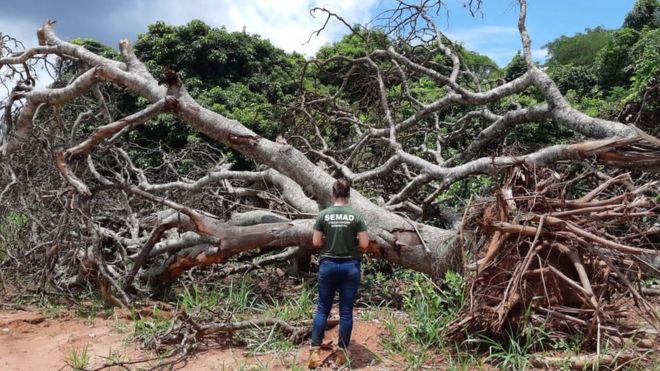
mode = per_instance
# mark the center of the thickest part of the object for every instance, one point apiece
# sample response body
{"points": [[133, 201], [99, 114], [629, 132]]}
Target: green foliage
{"points": [[513, 352], [354, 46], [535, 135], [239, 296], [266, 340], [431, 309], [579, 49], [397, 342], [479, 64], [458, 193], [516, 68], [580, 79], [571, 344], [237, 101], [651, 281], [13, 227], [645, 13], [645, 56], [196, 300], [294, 308], [207, 57], [604, 72], [90, 306], [97, 47], [79, 358], [414, 335], [145, 329], [612, 64], [239, 75], [291, 309]]}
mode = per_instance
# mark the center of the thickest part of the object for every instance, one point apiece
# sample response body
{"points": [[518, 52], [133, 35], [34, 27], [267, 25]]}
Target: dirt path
{"points": [[30, 341]]}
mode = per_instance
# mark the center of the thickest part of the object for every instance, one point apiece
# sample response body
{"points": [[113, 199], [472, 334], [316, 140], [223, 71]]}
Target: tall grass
{"points": [[513, 352], [13, 227], [298, 307], [427, 311], [430, 308]]}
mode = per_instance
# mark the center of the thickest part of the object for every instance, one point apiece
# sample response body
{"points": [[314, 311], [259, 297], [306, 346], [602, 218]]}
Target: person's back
{"points": [[340, 225], [339, 231]]}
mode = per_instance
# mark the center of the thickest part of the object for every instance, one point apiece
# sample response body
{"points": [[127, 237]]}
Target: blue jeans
{"points": [[342, 275]]}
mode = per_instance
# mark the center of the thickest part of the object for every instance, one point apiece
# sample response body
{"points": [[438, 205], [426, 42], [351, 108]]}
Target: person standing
{"points": [[340, 232]]}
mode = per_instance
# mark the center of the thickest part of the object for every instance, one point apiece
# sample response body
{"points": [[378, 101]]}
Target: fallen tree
{"points": [[109, 223]]}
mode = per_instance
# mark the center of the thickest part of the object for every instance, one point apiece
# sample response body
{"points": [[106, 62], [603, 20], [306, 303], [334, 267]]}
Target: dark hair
{"points": [[341, 188]]}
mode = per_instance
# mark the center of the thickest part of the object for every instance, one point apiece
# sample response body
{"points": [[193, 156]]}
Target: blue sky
{"points": [[287, 23], [495, 32]]}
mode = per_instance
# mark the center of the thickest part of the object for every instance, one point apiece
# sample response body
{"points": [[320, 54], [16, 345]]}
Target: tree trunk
{"points": [[399, 245]]}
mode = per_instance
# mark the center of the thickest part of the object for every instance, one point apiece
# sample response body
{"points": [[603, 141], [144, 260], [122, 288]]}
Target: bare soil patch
{"points": [[32, 341]]}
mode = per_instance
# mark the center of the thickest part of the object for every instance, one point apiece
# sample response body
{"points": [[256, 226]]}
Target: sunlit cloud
{"points": [[288, 24]]}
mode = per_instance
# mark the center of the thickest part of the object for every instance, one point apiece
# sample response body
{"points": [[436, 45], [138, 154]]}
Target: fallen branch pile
{"points": [[565, 255], [186, 333]]}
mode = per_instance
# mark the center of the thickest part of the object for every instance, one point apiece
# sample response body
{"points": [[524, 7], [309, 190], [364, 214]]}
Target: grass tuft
{"points": [[79, 358]]}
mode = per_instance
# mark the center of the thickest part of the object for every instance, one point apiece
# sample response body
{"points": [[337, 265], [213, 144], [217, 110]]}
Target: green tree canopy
{"points": [[644, 13], [577, 50], [612, 64], [237, 74]]}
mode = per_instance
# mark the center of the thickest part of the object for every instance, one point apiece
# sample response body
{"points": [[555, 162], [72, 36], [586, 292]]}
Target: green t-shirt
{"points": [[340, 226]]}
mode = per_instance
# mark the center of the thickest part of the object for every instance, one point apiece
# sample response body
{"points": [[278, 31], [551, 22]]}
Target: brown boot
{"points": [[341, 356], [314, 357]]}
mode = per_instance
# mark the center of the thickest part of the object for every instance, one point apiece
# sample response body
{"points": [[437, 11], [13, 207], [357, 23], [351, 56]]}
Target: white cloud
{"points": [[473, 38], [26, 33], [500, 43], [540, 54], [287, 23]]}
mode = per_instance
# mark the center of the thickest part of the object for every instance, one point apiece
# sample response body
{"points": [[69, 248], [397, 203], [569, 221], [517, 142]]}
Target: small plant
{"points": [[513, 352], [114, 357], [394, 340], [239, 297], [196, 300], [146, 329], [91, 307], [430, 308], [296, 308], [267, 340], [571, 344], [652, 281], [79, 358], [50, 309], [12, 230], [121, 327], [460, 360]]}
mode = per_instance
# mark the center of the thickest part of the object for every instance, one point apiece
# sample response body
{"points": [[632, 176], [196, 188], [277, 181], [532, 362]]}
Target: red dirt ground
{"points": [[31, 341]]}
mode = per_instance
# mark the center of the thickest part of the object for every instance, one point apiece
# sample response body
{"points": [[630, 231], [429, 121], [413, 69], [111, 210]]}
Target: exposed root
{"points": [[561, 261]]}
